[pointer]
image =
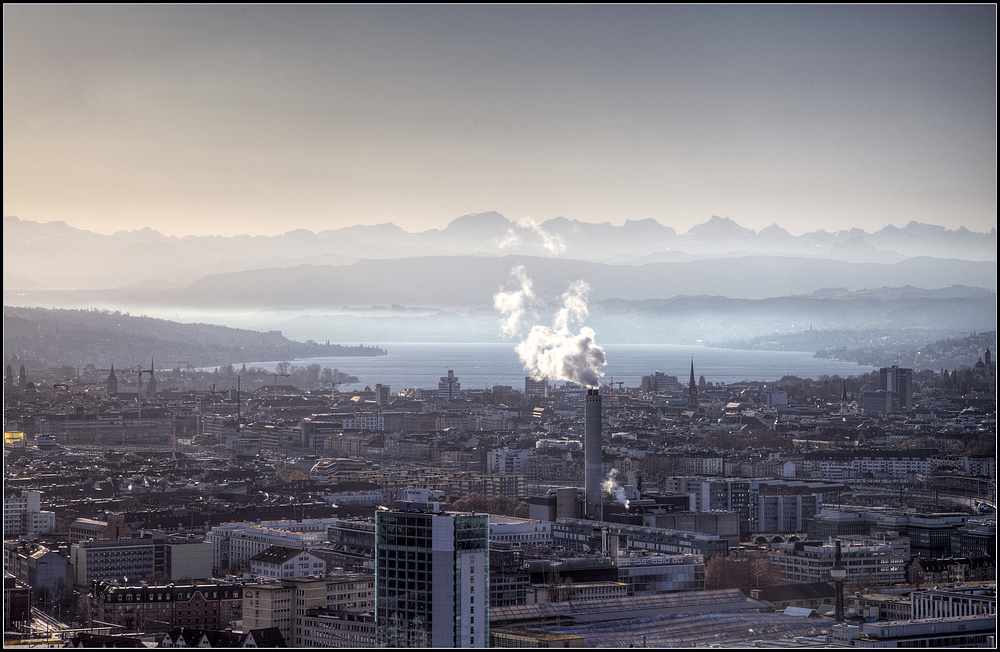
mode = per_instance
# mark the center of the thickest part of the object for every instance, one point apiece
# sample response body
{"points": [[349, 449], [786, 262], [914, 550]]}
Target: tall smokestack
{"points": [[592, 454]]}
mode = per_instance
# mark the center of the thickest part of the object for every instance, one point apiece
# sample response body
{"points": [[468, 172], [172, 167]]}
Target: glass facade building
{"points": [[431, 578]]}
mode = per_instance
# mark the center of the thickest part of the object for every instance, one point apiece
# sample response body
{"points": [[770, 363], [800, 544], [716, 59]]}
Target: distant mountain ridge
{"points": [[469, 282], [57, 256]]}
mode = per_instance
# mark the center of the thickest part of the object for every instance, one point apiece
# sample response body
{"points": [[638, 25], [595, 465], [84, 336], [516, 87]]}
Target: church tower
{"points": [[692, 401], [151, 386], [112, 381]]}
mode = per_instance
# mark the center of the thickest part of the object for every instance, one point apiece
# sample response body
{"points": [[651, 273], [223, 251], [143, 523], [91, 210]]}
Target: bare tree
{"points": [[863, 583]]}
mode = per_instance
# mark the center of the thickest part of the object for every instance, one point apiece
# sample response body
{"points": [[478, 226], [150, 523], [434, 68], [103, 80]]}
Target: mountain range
{"points": [[719, 281], [55, 256]]}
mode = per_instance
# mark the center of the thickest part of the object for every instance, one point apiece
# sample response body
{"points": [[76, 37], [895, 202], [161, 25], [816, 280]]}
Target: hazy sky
{"points": [[221, 120]]}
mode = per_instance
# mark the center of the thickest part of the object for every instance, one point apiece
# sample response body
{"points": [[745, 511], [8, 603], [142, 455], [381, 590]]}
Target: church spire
{"points": [[112, 381], [692, 401]]}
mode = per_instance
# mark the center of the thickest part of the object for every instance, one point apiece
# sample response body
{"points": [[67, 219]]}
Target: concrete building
{"points": [[509, 577], [586, 535], [536, 387], [286, 604], [337, 629], [520, 531], [174, 558], [44, 570], [23, 514], [930, 535], [432, 577], [952, 601], [233, 544], [449, 389], [114, 527], [968, 631], [659, 382], [811, 561], [898, 382]]}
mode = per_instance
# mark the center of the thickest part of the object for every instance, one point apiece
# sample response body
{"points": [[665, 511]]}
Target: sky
{"points": [[222, 120]]}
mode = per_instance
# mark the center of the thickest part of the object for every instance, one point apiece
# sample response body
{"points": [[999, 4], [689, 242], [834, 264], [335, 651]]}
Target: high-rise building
{"points": [[431, 577], [900, 382], [536, 386], [381, 394], [894, 394], [449, 388]]}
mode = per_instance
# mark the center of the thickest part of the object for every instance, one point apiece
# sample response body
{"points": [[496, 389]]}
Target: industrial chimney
{"points": [[592, 455]]}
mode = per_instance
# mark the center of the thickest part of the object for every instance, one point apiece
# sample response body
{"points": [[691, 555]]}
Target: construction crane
{"points": [[67, 385], [140, 371]]}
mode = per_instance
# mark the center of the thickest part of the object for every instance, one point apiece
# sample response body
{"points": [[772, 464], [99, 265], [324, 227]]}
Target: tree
{"points": [[560, 588], [498, 505], [741, 573], [727, 573], [764, 573], [862, 583]]}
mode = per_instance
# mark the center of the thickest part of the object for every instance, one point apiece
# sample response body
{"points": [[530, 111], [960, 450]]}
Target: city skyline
{"points": [[260, 120]]}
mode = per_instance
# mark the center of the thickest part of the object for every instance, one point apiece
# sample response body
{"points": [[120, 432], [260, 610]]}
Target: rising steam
{"points": [[512, 305], [556, 353], [611, 487]]}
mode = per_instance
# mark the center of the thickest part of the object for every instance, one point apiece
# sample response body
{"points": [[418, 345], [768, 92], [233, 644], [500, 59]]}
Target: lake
{"points": [[483, 365]]}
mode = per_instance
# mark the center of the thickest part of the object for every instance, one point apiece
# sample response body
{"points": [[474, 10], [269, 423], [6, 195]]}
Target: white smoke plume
{"points": [[512, 305], [611, 487], [553, 242], [556, 353], [509, 240]]}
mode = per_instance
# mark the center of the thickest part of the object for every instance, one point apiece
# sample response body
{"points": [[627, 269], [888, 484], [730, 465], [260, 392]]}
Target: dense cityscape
{"points": [[174, 507], [335, 325]]}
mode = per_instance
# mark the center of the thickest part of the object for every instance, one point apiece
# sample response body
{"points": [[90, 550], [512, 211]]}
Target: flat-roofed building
{"points": [[961, 600], [178, 558], [432, 572], [811, 561]]}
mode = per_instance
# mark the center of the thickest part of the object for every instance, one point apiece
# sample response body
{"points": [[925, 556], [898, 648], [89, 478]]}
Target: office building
{"points": [[449, 388], [899, 382], [883, 559], [536, 386], [432, 577], [154, 553], [894, 394]]}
